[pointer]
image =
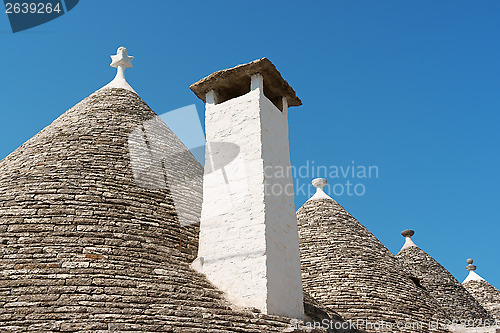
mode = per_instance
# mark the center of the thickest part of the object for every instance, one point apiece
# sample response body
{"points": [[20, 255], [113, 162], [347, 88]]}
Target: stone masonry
{"points": [[487, 295], [349, 270], [83, 248], [449, 293]]}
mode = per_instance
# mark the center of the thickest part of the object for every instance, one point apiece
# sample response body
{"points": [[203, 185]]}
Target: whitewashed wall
{"points": [[249, 244], [283, 257]]}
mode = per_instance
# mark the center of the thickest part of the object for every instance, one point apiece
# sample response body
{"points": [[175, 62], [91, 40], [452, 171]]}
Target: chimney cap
{"points": [[232, 82]]}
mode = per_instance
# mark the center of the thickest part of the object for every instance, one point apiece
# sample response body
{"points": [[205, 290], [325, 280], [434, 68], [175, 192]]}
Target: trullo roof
{"points": [[99, 221], [487, 295], [348, 269], [449, 293]]}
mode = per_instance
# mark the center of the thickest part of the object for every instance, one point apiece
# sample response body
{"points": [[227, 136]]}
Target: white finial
{"points": [[408, 242], [319, 183], [120, 61], [473, 276], [121, 58]]}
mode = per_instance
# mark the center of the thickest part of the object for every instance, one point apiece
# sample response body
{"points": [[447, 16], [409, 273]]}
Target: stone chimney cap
{"points": [[233, 82], [407, 233]]}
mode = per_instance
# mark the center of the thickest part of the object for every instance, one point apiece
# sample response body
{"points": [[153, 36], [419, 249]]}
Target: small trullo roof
{"points": [[487, 295], [449, 293], [349, 270]]}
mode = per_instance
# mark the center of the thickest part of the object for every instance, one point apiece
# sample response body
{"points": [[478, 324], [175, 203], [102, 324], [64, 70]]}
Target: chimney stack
{"points": [[249, 245]]}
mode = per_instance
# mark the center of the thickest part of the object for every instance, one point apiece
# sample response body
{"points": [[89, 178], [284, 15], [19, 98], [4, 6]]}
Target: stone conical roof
{"points": [[449, 293], [90, 236], [487, 295], [348, 269]]}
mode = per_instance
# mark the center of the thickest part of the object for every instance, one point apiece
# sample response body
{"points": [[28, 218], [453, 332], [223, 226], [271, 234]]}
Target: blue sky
{"points": [[409, 87]]}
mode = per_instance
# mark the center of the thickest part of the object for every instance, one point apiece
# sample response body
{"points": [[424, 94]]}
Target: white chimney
{"points": [[249, 244]]}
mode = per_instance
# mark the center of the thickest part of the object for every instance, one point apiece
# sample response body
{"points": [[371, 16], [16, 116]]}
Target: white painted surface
{"points": [[408, 243], [473, 276], [319, 183], [120, 61], [249, 245]]}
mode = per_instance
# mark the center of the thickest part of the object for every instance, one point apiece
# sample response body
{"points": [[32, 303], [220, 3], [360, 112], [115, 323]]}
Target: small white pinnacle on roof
{"points": [[319, 183], [408, 242], [120, 61], [121, 58], [473, 276]]}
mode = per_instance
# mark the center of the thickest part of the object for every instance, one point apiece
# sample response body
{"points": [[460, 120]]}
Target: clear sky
{"points": [[411, 87]]}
